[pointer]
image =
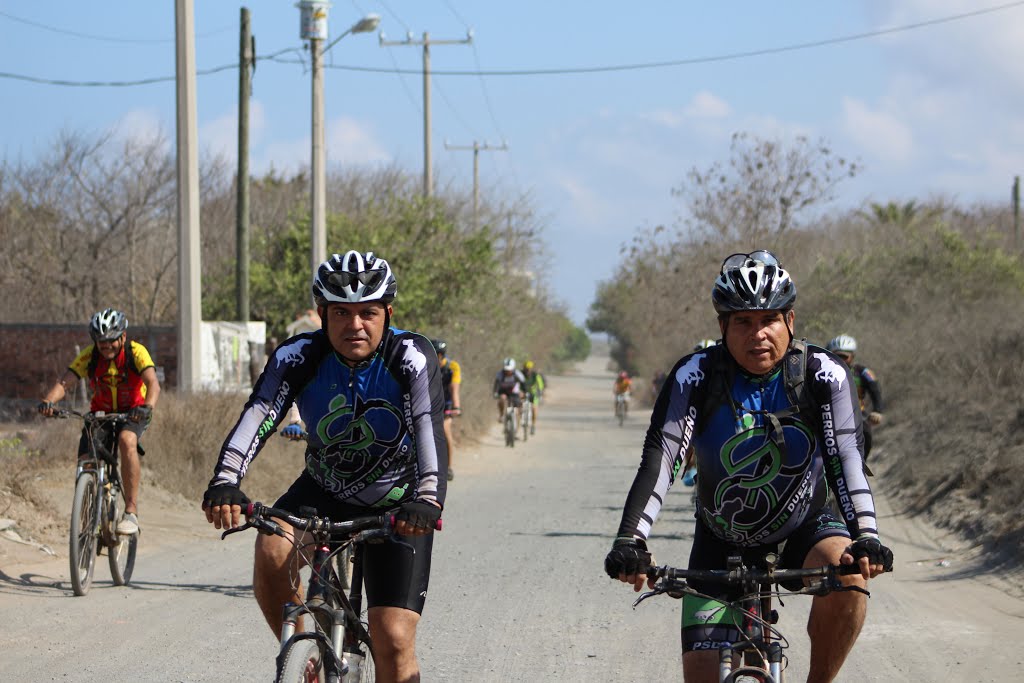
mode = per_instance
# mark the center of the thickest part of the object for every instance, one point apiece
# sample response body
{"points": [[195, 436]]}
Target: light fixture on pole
{"points": [[314, 29]]}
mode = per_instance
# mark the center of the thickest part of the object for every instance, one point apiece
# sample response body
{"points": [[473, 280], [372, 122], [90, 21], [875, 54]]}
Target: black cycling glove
{"points": [[45, 406], [872, 549], [420, 514], [224, 494], [140, 413], [627, 556]]}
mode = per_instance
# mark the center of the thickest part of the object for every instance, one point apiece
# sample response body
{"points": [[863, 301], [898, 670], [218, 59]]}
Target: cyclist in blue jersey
{"points": [[370, 396], [768, 448]]}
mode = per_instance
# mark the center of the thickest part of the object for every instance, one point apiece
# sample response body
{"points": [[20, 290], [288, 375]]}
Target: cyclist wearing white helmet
{"points": [[845, 347], [371, 398], [509, 385], [774, 426], [122, 379]]}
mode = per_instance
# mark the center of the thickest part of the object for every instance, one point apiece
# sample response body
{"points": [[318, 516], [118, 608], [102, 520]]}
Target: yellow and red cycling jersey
{"points": [[115, 386], [623, 385]]}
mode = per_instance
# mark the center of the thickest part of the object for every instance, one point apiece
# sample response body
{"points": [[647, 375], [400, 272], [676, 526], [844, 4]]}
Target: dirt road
{"points": [[517, 592]]}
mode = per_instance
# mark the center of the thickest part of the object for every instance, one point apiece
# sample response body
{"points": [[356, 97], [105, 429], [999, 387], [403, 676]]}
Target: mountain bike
{"points": [[98, 505], [758, 656], [527, 415], [510, 423], [621, 407], [345, 558], [338, 649]]}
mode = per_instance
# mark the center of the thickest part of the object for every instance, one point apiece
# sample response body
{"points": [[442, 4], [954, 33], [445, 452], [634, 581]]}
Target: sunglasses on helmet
{"points": [[738, 260], [343, 278]]}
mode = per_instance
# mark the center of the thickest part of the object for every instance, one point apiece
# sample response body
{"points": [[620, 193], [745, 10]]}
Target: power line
{"points": [[566, 71], [109, 39]]}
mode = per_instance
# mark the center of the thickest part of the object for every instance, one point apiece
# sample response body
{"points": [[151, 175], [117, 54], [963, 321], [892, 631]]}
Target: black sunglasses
{"points": [[737, 260], [343, 278]]}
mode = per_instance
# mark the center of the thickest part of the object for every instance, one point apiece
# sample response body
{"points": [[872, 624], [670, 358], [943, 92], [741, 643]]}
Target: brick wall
{"points": [[34, 356]]}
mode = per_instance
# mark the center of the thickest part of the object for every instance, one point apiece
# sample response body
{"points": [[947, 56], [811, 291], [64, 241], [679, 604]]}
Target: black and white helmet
{"points": [[753, 282], [354, 278], [508, 365], [107, 325], [844, 343]]}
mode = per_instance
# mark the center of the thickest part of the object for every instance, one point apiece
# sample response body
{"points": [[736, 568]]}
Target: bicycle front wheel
{"points": [[526, 422], [82, 539], [121, 551], [301, 663]]}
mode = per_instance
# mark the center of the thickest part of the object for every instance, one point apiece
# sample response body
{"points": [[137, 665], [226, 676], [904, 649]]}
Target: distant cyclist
{"points": [[705, 343], [622, 387], [845, 347], [122, 379], [534, 386], [509, 385], [451, 380]]}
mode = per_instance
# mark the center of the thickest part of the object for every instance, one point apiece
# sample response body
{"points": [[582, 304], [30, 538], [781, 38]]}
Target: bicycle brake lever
{"points": [[228, 532], [658, 590]]}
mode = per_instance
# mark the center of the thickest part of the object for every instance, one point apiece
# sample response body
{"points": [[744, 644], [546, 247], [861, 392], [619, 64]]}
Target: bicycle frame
{"points": [[759, 651]]}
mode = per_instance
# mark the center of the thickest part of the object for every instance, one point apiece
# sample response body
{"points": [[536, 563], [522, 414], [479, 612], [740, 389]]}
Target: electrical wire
{"points": [[568, 71]]}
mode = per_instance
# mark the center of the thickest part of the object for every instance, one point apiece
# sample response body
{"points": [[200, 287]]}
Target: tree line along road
{"points": [[517, 593]]}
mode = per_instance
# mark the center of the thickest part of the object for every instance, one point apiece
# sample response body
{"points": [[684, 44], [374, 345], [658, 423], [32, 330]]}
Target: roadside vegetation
{"points": [[91, 223], [932, 291]]}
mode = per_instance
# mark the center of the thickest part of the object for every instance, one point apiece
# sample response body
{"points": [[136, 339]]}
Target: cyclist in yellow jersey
{"points": [[122, 379], [451, 380]]}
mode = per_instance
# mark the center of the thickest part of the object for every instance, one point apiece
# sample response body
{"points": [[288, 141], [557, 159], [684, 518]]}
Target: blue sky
{"points": [[930, 110]]}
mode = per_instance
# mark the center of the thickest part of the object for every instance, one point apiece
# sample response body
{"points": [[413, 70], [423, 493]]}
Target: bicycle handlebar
{"points": [[98, 416], [259, 515], [745, 574]]}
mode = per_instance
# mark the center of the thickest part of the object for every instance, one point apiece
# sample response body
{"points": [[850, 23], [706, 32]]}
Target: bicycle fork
{"points": [[331, 621]]}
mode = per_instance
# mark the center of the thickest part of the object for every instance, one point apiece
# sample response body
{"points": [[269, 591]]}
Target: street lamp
{"points": [[314, 29]]}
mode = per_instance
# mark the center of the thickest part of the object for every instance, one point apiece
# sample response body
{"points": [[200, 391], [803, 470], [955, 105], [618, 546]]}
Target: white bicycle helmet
{"points": [[354, 278], [508, 364], [753, 282], [705, 343], [107, 325], [844, 343]]}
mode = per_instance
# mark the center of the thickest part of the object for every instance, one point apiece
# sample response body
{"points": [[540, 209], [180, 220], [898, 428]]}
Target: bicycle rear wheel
{"points": [[82, 539], [300, 663], [360, 667], [122, 548]]}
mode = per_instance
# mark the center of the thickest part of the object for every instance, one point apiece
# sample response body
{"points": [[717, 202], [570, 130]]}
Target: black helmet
{"points": [[440, 346], [107, 325], [753, 282], [354, 278]]}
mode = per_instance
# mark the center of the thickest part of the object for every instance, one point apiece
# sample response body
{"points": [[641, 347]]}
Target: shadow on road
{"points": [[29, 584]]}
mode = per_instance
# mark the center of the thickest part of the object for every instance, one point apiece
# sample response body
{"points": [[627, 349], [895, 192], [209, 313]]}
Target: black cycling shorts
{"points": [[708, 624], [394, 575], [138, 428]]}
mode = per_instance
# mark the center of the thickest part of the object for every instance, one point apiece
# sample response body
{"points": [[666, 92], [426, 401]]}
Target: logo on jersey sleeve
{"points": [[690, 372], [292, 353], [830, 371], [413, 360]]}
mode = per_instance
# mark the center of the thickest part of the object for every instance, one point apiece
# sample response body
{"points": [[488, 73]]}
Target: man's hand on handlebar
{"points": [[46, 408], [869, 553], [628, 562], [417, 518], [223, 506]]}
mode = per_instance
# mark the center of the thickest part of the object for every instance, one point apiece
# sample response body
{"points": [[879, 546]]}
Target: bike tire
{"points": [[121, 551], [620, 412], [82, 545], [300, 663], [526, 423], [510, 431]]}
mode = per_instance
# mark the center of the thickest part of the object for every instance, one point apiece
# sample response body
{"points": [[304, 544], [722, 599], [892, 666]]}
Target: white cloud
{"points": [[220, 136], [349, 142], [706, 105], [882, 134], [140, 124]]}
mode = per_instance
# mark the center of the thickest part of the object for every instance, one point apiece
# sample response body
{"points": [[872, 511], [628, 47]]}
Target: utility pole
{"points": [[476, 147], [246, 65], [1016, 211], [428, 174], [190, 311]]}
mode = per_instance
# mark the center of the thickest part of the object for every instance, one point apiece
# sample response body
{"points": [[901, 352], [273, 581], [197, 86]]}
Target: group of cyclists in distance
{"points": [[772, 433]]}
